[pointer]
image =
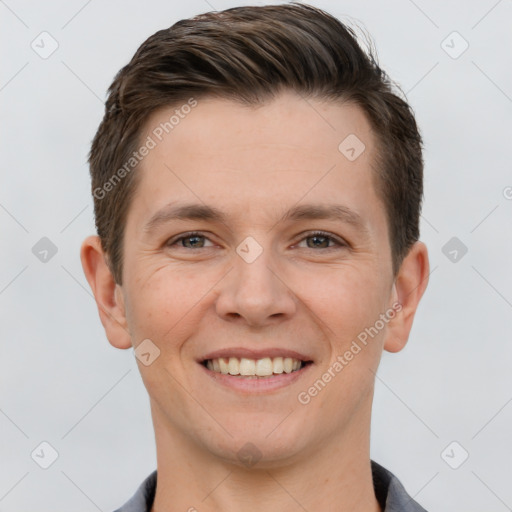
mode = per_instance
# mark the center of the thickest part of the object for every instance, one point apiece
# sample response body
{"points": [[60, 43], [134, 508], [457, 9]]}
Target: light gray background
{"points": [[61, 381]]}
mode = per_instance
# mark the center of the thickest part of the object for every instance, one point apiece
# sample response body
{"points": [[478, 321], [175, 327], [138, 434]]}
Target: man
{"points": [[257, 189]]}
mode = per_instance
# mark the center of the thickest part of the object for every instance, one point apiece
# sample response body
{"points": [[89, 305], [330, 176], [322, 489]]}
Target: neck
{"points": [[332, 476]]}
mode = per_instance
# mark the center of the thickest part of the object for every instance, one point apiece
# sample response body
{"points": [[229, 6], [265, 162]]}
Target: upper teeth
{"points": [[259, 367]]}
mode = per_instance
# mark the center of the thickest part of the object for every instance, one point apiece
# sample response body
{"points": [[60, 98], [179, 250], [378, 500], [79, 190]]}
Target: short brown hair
{"points": [[248, 55]]}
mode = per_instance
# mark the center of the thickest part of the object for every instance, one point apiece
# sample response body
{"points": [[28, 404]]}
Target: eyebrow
{"points": [[197, 211]]}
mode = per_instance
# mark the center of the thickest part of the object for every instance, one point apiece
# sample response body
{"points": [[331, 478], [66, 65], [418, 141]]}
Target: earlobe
{"points": [[106, 292], [410, 284]]}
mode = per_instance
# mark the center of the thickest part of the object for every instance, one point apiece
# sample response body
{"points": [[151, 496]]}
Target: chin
{"points": [[261, 447]]}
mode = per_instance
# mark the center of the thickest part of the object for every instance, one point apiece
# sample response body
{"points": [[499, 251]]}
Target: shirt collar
{"points": [[389, 491]]}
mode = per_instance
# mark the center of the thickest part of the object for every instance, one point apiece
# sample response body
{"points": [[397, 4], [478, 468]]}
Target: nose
{"points": [[256, 291]]}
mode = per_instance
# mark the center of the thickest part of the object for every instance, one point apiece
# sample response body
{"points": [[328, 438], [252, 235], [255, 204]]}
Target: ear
{"points": [[408, 288], [107, 293]]}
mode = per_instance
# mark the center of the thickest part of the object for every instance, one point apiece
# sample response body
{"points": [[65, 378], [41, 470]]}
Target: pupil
{"points": [[195, 237], [316, 237]]}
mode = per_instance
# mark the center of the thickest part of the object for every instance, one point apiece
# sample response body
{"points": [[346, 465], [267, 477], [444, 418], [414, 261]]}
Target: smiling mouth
{"points": [[254, 368]]}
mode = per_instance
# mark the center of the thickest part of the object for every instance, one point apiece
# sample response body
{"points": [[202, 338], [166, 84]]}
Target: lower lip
{"points": [[257, 384]]}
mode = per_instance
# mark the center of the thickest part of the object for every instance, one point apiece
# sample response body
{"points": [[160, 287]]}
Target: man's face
{"points": [[256, 281]]}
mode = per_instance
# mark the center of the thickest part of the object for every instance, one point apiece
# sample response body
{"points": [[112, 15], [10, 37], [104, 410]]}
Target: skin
{"points": [[199, 295]]}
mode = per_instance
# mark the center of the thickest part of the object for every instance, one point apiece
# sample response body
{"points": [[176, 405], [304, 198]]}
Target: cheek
{"points": [[349, 303], [344, 300], [165, 302]]}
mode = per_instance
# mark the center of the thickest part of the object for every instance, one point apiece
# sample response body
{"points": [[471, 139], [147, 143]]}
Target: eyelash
{"points": [[322, 234]]}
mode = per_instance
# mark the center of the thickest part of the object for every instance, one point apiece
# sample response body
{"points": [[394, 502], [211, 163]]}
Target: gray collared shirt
{"points": [[390, 493]]}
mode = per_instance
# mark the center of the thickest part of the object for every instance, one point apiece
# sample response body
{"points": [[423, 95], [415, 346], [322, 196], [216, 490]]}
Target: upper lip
{"points": [[249, 353]]}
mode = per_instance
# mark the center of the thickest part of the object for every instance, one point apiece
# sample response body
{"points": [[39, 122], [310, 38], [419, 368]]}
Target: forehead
{"points": [[248, 159], [313, 129]]}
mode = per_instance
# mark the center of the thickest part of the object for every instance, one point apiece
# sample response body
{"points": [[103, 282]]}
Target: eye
{"points": [[196, 240], [193, 237], [320, 239]]}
